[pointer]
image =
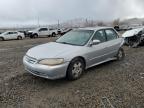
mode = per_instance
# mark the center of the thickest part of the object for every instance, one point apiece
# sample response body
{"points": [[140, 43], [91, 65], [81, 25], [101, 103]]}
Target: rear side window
{"points": [[14, 32], [100, 35], [51, 29], [111, 34]]}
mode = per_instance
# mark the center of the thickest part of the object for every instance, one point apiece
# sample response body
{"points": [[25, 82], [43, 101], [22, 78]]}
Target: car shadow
{"points": [[29, 79], [26, 79], [100, 65]]}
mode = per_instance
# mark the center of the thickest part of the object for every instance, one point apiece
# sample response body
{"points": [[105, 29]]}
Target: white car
{"points": [[11, 35], [134, 37], [40, 32]]}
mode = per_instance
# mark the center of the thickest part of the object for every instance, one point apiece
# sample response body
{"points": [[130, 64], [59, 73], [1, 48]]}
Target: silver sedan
{"points": [[70, 55]]}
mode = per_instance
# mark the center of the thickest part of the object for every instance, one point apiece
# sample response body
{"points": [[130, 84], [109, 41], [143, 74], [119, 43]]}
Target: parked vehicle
{"points": [[59, 31], [134, 37], [63, 31], [117, 28], [66, 30], [74, 52], [25, 32], [11, 35], [40, 32]]}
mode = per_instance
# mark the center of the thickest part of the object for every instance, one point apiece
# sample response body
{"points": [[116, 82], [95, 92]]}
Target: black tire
{"points": [[1, 39], [142, 42], [19, 37], [35, 36], [53, 34], [31, 36], [121, 54], [75, 69]]}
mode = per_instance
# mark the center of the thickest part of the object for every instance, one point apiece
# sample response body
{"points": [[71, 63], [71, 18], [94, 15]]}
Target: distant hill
{"points": [[133, 21]]}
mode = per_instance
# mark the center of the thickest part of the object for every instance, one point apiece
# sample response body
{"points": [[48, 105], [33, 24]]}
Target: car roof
{"points": [[11, 31], [95, 28]]}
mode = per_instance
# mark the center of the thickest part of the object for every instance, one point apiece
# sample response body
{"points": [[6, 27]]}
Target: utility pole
{"points": [[58, 24], [38, 22]]}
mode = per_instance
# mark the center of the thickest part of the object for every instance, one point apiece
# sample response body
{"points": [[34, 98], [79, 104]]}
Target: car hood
{"points": [[2, 35], [131, 33], [52, 50]]}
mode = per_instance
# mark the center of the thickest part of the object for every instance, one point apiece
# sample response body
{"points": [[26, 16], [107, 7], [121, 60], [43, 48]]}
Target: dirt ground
{"points": [[116, 84]]}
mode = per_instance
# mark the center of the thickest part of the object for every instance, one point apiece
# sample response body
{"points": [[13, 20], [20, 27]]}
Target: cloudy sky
{"points": [[21, 12]]}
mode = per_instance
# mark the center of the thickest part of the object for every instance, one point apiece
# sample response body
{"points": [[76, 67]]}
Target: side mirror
{"points": [[95, 42]]}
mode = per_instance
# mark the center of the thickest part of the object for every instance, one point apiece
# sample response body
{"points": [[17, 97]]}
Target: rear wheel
{"points": [[120, 55], [75, 69], [19, 38]]}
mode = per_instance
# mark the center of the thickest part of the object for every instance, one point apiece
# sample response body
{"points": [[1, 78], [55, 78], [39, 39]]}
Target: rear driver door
{"points": [[113, 42]]}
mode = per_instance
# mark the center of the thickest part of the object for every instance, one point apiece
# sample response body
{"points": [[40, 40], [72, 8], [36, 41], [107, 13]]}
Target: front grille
{"points": [[31, 60], [36, 72]]}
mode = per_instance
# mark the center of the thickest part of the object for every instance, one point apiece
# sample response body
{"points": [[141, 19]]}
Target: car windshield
{"points": [[76, 37], [4, 33]]}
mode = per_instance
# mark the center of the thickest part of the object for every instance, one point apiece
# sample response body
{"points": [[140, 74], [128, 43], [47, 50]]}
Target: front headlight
{"points": [[51, 62]]}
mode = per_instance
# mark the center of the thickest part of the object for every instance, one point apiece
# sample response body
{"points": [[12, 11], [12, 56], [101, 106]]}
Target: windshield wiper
{"points": [[67, 43]]}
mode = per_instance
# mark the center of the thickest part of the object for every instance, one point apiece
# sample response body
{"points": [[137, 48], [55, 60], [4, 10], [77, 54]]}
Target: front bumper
{"points": [[44, 71]]}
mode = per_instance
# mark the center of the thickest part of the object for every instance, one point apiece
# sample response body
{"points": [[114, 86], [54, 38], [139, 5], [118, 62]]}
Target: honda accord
{"points": [[70, 55]]}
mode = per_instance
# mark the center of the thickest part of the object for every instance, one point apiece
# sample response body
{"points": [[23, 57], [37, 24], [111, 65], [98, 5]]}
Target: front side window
{"points": [[111, 34], [76, 37], [51, 29], [100, 35], [43, 29], [10, 33]]}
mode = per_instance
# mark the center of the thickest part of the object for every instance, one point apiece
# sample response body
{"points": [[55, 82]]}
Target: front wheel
{"points": [[75, 69], [35, 36], [120, 55], [53, 34], [1, 39]]}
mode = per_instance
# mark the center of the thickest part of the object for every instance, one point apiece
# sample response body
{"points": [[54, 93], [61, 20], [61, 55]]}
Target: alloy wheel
{"points": [[77, 69]]}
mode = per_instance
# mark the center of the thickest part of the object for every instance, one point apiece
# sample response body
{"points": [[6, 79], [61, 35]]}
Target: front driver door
{"points": [[97, 53], [43, 31], [9, 35], [12, 35]]}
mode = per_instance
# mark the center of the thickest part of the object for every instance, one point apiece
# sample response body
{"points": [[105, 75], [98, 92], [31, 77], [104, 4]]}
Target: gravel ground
{"points": [[116, 84]]}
